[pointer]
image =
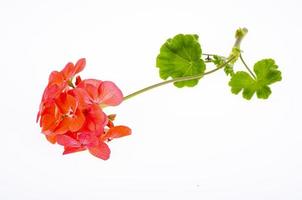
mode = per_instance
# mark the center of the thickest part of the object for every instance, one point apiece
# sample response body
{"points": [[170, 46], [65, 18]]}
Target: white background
{"points": [[199, 143]]}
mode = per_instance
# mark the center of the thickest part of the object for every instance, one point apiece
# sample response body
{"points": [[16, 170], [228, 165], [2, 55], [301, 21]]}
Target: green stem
{"points": [[247, 67], [239, 35], [178, 80]]}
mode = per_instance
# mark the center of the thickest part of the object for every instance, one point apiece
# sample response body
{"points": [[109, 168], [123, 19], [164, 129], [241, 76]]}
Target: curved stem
{"points": [[247, 67], [178, 80]]}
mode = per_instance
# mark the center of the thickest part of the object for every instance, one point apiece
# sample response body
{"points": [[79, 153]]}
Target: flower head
{"points": [[72, 114]]}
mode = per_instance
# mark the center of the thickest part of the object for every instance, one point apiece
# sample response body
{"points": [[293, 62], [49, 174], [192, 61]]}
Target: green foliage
{"points": [[266, 72], [181, 57], [180, 61]]}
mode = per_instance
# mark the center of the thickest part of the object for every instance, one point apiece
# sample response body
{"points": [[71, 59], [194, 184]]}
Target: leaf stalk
{"points": [[178, 80]]}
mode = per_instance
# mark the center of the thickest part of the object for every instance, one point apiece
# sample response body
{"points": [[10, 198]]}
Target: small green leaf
{"points": [[266, 72], [218, 61], [181, 57]]}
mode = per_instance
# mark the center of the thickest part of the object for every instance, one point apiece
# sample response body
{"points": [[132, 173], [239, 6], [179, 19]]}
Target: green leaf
{"points": [[266, 72], [181, 57], [218, 60]]}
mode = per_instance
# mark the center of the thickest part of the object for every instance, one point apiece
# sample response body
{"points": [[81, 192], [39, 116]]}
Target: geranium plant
{"points": [[72, 114]]}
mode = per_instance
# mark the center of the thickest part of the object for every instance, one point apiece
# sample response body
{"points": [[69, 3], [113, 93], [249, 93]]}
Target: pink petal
{"points": [[67, 141], [101, 151], [91, 87], [88, 139], [38, 115], [92, 91], [51, 91], [110, 94], [81, 96], [96, 120], [94, 82]]}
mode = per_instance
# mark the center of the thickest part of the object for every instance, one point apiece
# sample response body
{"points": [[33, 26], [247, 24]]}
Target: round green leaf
{"points": [[181, 57]]}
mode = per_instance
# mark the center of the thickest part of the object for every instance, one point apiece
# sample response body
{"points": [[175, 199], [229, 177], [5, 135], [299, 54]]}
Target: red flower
{"points": [[59, 81], [104, 93], [72, 116]]}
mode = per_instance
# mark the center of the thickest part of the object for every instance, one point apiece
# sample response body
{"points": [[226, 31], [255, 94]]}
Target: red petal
{"points": [[80, 65], [96, 83], [51, 138], [110, 94], [47, 121], [117, 132], [67, 141], [68, 71], [63, 127], [55, 78], [96, 120], [88, 139], [82, 97], [68, 150], [77, 122], [91, 87], [48, 118], [93, 92], [51, 91], [66, 102], [78, 80], [101, 151]]}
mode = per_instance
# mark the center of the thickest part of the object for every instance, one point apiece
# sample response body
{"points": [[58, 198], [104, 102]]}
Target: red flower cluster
{"points": [[72, 116]]}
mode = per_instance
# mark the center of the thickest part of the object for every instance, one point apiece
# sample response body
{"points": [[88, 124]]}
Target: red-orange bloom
{"points": [[59, 81], [72, 116], [104, 93]]}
